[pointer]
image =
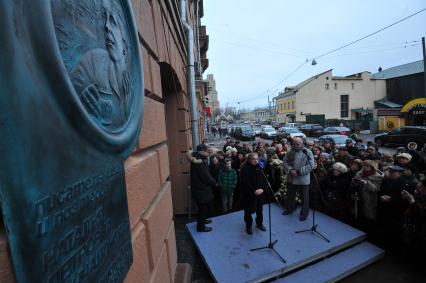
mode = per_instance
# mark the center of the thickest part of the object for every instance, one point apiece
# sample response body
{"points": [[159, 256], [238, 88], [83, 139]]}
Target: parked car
{"points": [[231, 129], [294, 125], [312, 130], [257, 131], [244, 133], [275, 125], [289, 133], [338, 140], [402, 136], [268, 133], [337, 131]]}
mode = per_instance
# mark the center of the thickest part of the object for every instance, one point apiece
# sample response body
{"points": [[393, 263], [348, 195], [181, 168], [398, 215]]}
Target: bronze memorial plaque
{"points": [[71, 108]]}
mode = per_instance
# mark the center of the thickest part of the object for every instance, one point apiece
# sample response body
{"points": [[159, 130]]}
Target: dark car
{"points": [[402, 136], [244, 133], [312, 130], [338, 140], [337, 131]]}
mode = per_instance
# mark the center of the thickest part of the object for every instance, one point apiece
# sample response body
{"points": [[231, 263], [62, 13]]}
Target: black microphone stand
{"points": [[271, 243], [314, 227]]}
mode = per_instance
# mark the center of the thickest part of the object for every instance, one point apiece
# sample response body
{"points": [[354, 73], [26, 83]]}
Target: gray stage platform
{"points": [[226, 250]]}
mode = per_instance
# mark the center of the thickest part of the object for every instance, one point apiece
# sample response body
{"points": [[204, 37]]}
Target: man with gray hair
{"points": [[298, 164]]}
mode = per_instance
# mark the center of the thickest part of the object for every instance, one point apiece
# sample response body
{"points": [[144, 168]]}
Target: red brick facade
{"points": [[157, 171]]}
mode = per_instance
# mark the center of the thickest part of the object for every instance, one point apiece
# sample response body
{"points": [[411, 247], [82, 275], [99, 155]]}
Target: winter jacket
{"points": [[227, 180], [214, 170], [201, 179], [369, 193], [298, 160], [346, 159], [352, 150], [393, 210], [252, 179], [338, 188]]}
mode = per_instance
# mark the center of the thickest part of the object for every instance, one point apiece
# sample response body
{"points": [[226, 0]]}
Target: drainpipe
{"points": [[190, 75]]}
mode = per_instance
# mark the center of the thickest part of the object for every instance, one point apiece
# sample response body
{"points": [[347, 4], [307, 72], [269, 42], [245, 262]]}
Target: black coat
{"points": [[252, 179], [201, 181], [393, 211], [352, 150], [338, 189]]}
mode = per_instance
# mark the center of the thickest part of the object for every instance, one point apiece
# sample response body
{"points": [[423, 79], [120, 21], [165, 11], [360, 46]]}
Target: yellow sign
{"points": [[418, 102]]}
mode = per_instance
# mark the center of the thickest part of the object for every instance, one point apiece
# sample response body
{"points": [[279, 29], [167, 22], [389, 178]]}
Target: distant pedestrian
{"points": [[214, 131]]}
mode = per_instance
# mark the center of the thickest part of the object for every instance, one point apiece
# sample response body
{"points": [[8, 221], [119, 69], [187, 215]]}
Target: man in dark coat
{"points": [[343, 156], [253, 187], [352, 149], [392, 205], [201, 186]]}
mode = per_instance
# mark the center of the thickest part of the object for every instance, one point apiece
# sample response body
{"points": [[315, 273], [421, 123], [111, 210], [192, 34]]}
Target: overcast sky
{"points": [[255, 45]]}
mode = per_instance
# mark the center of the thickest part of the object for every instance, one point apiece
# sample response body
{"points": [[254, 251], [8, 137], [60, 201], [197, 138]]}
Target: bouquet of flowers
{"points": [[281, 194]]}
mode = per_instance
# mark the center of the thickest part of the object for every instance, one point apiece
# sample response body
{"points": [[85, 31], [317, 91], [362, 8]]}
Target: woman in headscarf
{"points": [[368, 182]]}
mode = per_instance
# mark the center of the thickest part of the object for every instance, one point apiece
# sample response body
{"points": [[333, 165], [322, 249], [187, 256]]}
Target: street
{"points": [[364, 137]]}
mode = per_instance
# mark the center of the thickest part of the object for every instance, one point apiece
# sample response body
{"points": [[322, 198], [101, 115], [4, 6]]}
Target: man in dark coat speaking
{"points": [[253, 189], [201, 184]]}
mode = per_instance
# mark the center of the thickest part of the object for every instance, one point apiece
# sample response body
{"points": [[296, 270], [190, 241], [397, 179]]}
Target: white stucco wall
{"points": [[313, 98]]}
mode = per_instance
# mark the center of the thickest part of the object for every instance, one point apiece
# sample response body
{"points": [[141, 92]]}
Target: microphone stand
{"points": [[271, 243], [314, 227]]}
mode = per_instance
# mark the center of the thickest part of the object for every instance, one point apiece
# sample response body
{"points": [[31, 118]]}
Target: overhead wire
{"points": [[370, 34], [332, 51], [258, 48], [373, 51], [272, 89]]}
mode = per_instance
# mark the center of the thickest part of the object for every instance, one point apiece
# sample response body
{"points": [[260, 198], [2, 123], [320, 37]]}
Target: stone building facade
{"points": [[157, 173], [248, 116], [334, 97], [213, 101], [262, 114]]}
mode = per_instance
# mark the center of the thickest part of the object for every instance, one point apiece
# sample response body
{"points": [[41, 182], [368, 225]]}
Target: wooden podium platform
{"points": [[226, 250]]}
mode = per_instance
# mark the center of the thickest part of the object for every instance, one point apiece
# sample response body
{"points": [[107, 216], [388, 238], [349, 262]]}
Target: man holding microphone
{"points": [[298, 164]]}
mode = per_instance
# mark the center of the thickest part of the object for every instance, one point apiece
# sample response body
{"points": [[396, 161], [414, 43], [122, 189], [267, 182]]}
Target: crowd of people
{"points": [[381, 194]]}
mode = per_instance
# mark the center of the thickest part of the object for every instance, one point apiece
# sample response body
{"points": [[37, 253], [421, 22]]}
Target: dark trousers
{"points": [[259, 216], [203, 213], [291, 198]]}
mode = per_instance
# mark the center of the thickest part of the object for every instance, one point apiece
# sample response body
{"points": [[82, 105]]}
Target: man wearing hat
{"points": [[201, 185], [399, 150], [343, 156], [227, 143], [352, 150], [408, 175]]}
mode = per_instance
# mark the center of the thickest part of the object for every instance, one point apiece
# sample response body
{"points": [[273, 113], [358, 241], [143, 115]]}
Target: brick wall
{"points": [[147, 169]]}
